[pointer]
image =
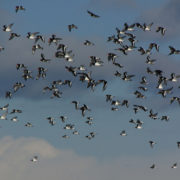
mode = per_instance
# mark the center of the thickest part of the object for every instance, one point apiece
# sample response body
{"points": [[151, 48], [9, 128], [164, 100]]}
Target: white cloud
{"points": [[56, 164]]}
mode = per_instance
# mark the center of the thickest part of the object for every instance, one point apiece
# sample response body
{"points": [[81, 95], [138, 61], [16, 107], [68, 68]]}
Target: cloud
{"points": [[15, 155]]}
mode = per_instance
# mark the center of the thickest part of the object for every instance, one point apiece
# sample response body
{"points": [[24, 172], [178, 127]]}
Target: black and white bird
{"points": [[174, 166], [162, 30], [34, 159], [32, 36], [173, 50], [43, 59], [123, 133], [147, 27], [5, 107], [88, 43], [13, 35], [7, 28]]}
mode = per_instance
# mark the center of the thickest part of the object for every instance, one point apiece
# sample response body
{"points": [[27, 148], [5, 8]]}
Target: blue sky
{"points": [[108, 151]]}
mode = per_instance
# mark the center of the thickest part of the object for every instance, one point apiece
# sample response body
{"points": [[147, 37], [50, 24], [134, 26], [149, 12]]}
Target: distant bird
{"points": [[88, 43], [109, 97], [147, 27], [82, 68], [32, 35], [149, 60], [125, 103], [153, 45], [175, 99], [76, 103], [118, 65], [166, 118], [149, 71], [75, 132], [39, 37], [63, 118], [43, 59], [128, 27], [34, 159], [123, 133], [104, 84], [14, 119], [117, 74], [178, 144], [174, 77], [17, 86], [72, 26], [92, 14], [138, 126], [83, 109], [13, 35], [8, 94], [90, 135], [65, 136], [143, 51], [164, 92], [54, 39], [141, 107], [112, 57], [95, 61], [28, 124], [114, 109], [89, 122], [4, 108], [7, 28], [161, 29], [152, 143], [174, 166], [143, 88], [143, 81], [18, 8], [69, 127], [139, 94], [19, 66], [115, 103], [132, 121], [1, 48], [67, 82], [51, 121], [4, 116], [35, 47], [173, 50], [153, 166], [127, 77], [16, 111], [72, 70], [153, 115]]}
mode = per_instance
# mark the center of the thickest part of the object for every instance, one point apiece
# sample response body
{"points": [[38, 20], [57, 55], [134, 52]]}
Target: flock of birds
{"points": [[126, 42]]}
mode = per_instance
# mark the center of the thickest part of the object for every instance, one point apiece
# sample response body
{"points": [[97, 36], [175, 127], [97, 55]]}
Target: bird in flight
{"points": [[92, 14]]}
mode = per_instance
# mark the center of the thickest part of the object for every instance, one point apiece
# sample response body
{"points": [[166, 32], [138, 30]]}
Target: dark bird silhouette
{"points": [[92, 14]]}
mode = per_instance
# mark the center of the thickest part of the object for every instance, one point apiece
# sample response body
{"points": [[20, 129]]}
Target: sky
{"points": [[107, 155]]}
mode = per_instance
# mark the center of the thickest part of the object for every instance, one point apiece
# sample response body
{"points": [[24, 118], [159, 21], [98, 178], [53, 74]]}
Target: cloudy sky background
{"points": [[108, 155]]}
